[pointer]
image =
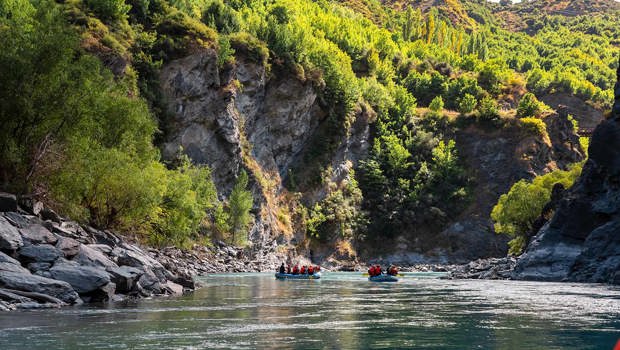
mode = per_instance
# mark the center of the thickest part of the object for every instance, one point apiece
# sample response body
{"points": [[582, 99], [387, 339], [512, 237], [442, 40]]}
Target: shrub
{"points": [[436, 104], [488, 110], [109, 9], [529, 106], [535, 126], [239, 204], [467, 104], [516, 210]]}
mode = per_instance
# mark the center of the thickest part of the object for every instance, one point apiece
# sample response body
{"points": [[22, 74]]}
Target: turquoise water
{"points": [[340, 311]]}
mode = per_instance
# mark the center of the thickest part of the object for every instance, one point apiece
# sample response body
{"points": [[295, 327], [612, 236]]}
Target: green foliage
{"points": [[225, 53], [94, 153], [535, 126], [529, 106], [239, 205], [436, 104], [339, 215], [109, 9], [516, 210], [189, 195], [488, 110], [222, 17], [467, 104], [61, 110]]}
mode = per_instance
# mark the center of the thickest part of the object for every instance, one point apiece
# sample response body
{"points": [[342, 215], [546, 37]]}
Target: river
{"points": [[340, 311]]}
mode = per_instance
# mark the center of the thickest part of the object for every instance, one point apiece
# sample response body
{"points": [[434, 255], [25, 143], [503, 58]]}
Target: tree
{"points": [[436, 104], [467, 104], [239, 205], [516, 210], [529, 106], [487, 110], [109, 9]]}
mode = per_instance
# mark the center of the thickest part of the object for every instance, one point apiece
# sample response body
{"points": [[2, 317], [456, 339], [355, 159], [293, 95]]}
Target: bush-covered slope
{"points": [[84, 110]]}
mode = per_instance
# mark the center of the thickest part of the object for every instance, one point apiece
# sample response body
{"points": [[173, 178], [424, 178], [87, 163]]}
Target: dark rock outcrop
{"points": [[83, 279], [10, 239], [582, 240], [39, 253], [37, 234], [60, 262], [33, 283], [8, 202]]}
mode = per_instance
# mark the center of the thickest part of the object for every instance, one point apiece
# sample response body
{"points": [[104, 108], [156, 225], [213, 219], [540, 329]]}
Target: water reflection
{"points": [[340, 311]]}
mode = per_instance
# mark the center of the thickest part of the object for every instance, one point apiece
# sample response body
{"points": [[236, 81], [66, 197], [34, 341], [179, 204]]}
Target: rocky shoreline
{"points": [[47, 261]]}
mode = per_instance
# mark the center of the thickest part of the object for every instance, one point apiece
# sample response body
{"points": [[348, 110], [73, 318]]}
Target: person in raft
{"points": [[282, 270], [295, 270], [310, 270], [303, 270], [392, 270], [288, 269]]}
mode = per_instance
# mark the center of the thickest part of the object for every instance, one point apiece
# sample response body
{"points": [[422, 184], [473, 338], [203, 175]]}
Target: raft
{"points": [[290, 276], [383, 278]]}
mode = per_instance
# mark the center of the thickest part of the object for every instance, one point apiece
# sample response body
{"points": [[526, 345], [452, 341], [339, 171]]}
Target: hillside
{"points": [[338, 130]]}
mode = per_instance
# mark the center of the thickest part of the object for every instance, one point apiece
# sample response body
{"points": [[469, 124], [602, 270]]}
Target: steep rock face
{"points": [[499, 159], [216, 111], [243, 117], [582, 240]]}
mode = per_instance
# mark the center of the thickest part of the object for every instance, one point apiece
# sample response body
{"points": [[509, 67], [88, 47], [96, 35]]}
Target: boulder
{"points": [[33, 283], [73, 230], [125, 278], [104, 248], [6, 266], [68, 246], [8, 202], [8, 259], [133, 256], [30, 205], [39, 253], [18, 220], [10, 239], [83, 279], [49, 214], [173, 288], [7, 295], [92, 257], [39, 266], [37, 234], [150, 283], [103, 237], [103, 294]]}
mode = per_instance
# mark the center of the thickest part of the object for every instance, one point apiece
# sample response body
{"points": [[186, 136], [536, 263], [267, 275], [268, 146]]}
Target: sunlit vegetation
{"points": [[516, 210], [83, 134]]}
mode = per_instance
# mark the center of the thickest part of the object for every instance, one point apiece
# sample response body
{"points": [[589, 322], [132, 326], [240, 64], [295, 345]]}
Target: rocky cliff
{"points": [[582, 240], [245, 116]]}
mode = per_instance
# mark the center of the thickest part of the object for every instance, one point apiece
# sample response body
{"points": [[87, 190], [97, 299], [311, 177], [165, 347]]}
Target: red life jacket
{"points": [[310, 270], [317, 269], [295, 270], [303, 269], [288, 269]]}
